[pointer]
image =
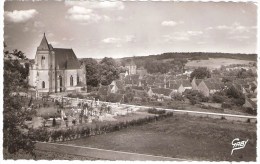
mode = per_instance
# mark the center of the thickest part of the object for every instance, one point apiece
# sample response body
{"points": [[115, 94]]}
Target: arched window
{"points": [[77, 79], [71, 80], [43, 61], [43, 84]]}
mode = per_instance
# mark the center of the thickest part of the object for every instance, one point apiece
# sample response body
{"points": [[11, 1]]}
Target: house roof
{"points": [[186, 83], [174, 86], [254, 105], [66, 59], [198, 81], [137, 88], [163, 91], [140, 93], [211, 85]]}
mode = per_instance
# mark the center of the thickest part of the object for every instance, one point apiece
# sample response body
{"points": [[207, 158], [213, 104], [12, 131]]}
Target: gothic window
{"points": [[43, 84], [77, 79], [43, 61], [71, 80]]}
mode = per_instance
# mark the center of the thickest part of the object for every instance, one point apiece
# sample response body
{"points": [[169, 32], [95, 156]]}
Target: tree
{"points": [[14, 130], [243, 73], [108, 71], [92, 72], [236, 96], [200, 73]]}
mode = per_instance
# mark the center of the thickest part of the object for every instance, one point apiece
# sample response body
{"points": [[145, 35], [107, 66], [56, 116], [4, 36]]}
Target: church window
{"points": [[43, 61], [71, 80], [43, 84], [77, 79]]}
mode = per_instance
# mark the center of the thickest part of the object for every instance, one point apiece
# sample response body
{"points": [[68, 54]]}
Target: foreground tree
{"points": [[14, 131]]}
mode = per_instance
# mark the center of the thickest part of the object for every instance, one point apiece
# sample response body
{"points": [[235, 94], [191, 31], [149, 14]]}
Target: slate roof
{"points": [[213, 86], [163, 91], [174, 86], [139, 93], [137, 88], [186, 83], [254, 105], [44, 44], [66, 59], [198, 81]]}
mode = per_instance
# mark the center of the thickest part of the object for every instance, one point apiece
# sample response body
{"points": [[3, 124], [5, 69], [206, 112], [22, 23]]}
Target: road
{"points": [[100, 153]]}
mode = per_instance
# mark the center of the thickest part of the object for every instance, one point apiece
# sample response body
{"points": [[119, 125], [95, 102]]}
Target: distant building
{"points": [[131, 67], [141, 71], [250, 104], [56, 70], [207, 88]]}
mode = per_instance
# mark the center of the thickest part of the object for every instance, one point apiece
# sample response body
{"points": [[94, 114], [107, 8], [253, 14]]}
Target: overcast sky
{"points": [[120, 29]]}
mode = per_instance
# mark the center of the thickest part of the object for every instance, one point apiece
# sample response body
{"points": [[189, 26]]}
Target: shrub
{"points": [[226, 105], [156, 111], [55, 135], [218, 98], [68, 134]]}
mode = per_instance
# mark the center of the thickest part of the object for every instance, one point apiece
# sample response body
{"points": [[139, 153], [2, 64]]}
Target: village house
{"points": [[117, 86], [250, 104], [207, 88], [160, 92], [179, 85], [131, 68], [195, 82]]}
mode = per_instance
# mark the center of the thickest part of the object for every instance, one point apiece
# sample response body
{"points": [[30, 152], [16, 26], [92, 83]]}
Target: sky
{"points": [[121, 29]]}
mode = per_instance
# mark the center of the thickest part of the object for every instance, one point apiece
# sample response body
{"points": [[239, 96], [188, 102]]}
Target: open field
{"points": [[215, 63], [181, 136]]}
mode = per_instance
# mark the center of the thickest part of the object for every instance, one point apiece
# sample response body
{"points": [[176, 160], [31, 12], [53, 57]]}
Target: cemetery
{"points": [[63, 118]]}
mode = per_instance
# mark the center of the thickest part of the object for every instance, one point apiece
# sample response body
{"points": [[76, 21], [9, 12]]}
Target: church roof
{"points": [[66, 59], [44, 44]]}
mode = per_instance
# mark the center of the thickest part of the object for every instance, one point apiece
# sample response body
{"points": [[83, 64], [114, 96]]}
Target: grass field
{"points": [[215, 63], [44, 155], [181, 136]]}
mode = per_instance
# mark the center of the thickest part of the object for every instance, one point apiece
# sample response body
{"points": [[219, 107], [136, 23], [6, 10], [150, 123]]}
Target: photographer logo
{"points": [[238, 144]]}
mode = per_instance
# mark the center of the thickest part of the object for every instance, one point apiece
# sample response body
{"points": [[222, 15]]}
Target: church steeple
{"points": [[44, 44]]}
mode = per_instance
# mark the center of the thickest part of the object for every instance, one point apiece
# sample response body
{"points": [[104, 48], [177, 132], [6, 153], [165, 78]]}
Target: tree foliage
{"points": [[243, 73], [92, 72], [104, 72], [200, 73], [14, 130], [108, 71]]}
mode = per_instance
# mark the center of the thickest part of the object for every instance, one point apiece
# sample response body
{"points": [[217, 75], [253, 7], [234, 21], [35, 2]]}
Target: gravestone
{"points": [[70, 119]]}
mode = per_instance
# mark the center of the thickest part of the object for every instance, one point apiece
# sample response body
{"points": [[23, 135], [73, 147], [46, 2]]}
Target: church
{"points": [[56, 70]]}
